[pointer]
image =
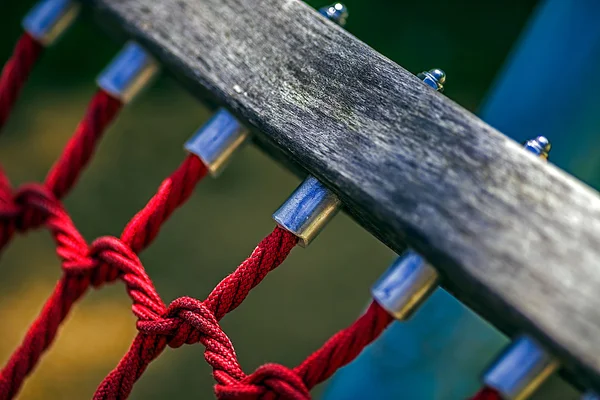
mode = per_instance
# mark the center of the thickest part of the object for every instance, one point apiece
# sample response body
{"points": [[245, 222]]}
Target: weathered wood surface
{"points": [[516, 240]]}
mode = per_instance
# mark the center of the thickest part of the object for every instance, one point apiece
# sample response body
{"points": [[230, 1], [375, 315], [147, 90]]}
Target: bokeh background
{"points": [[318, 290]]}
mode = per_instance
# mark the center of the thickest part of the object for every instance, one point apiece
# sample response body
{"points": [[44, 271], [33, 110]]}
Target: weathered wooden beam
{"points": [[515, 239]]}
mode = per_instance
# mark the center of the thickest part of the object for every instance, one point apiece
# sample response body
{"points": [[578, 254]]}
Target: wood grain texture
{"points": [[515, 239]]}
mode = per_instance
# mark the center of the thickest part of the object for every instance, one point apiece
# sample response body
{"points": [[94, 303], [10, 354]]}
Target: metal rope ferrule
{"points": [[306, 212], [521, 369], [406, 284], [217, 140], [129, 72], [48, 19]]}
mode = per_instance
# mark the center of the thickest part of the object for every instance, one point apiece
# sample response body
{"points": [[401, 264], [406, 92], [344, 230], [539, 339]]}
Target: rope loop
{"points": [[28, 206], [268, 382]]}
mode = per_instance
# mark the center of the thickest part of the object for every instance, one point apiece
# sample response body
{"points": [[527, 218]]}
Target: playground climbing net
{"points": [[109, 259]]}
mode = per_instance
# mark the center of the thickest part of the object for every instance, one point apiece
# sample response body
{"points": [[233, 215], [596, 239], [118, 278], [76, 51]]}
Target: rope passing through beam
{"points": [[125, 77], [43, 25], [109, 258]]}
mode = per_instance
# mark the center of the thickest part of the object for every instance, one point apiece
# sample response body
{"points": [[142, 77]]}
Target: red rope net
{"points": [[108, 259]]}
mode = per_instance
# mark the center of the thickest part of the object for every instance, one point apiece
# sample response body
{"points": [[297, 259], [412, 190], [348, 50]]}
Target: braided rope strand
{"points": [[102, 110], [14, 214], [15, 72], [273, 380], [344, 346]]}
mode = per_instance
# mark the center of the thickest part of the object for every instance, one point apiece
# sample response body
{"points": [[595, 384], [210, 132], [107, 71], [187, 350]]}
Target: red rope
{"points": [[274, 381], [186, 320], [104, 261], [487, 393], [102, 110], [15, 73], [189, 321], [14, 215]]}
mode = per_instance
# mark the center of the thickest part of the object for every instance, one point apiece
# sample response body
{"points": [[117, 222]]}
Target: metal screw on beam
{"points": [[336, 12], [411, 280], [520, 369], [223, 135], [48, 19], [539, 146], [434, 78], [130, 71]]}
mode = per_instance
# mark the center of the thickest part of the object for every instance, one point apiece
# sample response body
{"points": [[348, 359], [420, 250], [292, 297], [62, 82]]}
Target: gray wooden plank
{"points": [[515, 239]]}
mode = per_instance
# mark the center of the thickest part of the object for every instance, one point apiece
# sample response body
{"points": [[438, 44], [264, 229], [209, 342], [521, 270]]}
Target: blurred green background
{"points": [[318, 290]]}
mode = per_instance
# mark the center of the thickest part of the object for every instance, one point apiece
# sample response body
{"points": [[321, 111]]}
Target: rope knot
{"points": [[28, 206], [112, 257], [270, 381], [186, 321]]}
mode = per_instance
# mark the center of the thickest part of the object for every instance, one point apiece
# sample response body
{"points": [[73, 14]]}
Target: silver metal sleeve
{"points": [[129, 72], [217, 140], [520, 369], [49, 18], [406, 284], [307, 210]]}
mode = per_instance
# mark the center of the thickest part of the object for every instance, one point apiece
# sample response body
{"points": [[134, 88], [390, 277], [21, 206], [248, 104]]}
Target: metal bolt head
{"points": [[436, 78], [336, 12], [539, 146]]}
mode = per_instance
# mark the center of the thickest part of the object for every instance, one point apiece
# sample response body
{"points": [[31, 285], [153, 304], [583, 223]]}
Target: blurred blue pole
{"points": [[548, 87]]}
